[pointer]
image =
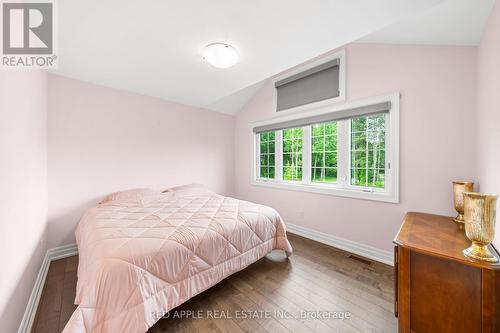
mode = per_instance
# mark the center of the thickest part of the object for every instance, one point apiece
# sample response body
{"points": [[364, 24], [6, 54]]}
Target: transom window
{"points": [[347, 152]]}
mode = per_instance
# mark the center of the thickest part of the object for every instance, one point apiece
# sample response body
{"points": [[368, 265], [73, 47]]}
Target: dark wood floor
{"points": [[272, 295]]}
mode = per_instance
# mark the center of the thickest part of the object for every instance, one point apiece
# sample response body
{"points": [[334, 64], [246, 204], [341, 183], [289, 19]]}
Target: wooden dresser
{"points": [[437, 289]]}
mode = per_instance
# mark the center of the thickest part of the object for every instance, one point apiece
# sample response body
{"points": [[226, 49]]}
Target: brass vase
{"points": [[458, 199], [479, 213]]}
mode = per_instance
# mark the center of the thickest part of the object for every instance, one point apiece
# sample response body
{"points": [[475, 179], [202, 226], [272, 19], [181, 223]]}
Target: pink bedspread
{"points": [[139, 259]]}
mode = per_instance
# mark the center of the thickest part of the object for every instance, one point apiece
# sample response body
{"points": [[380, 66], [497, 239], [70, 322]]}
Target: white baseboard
{"points": [[362, 250], [36, 293]]}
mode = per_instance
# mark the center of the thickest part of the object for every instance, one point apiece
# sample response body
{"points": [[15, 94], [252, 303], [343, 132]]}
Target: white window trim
{"points": [[342, 188], [342, 83]]}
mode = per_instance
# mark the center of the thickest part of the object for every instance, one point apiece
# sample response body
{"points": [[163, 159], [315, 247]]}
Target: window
{"points": [[267, 154], [368, 151], [292, 154], [324, 153], [347, 150]]}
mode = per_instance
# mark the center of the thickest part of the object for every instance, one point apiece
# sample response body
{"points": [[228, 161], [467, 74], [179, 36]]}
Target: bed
{"points": [[144, 252]]}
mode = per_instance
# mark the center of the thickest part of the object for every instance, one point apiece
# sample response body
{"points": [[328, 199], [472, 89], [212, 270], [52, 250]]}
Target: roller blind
{"points": [[312, 85], [373, 109]]}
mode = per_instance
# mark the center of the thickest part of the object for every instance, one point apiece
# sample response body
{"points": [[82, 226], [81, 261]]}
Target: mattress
{"points": [[144, 254]]}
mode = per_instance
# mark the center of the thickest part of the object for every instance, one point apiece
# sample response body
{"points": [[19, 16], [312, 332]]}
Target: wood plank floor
{"points": [[272, 295]]}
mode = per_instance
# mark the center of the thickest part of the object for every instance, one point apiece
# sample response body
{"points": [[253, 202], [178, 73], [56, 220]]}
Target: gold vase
{"points": [[458, 198], [479, 213]]}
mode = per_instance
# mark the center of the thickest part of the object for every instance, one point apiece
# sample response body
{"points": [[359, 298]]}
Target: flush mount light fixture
{"points": [[220, 55]]}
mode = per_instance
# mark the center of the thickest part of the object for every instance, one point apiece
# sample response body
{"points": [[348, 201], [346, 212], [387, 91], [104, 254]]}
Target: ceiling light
{"points": [[220, 55]]}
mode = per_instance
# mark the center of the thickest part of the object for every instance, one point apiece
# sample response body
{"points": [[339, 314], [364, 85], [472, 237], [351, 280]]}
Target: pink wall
{"points": [[488, 108], [437, 143], [23, 184], [102, 140]]}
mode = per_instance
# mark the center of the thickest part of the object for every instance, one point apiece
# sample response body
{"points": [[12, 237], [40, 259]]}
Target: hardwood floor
{"points": [[272, 295], [56, 303]]}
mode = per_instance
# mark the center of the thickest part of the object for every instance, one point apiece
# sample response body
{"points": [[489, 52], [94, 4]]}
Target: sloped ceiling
{"points": [[453, 22], [154, 47]]}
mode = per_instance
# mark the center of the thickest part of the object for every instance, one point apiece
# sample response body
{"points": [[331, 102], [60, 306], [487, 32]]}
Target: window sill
{"points": [[329, 190]]}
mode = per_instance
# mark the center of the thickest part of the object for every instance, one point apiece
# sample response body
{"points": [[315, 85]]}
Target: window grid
{"points": [[292, 154], [267, 155], [351, 142], [326, 135], [368, 151]]}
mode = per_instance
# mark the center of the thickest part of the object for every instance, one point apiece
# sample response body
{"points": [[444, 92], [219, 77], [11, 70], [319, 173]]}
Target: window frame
{"points": [[323, 153], [291, 153], [268, 153], [342, 188], [341, 56], [388, 154]]}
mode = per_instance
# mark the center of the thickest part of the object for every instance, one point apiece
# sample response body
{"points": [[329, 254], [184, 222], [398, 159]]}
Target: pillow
{"points": [[185, 187], [190, 189], [137, 196]]}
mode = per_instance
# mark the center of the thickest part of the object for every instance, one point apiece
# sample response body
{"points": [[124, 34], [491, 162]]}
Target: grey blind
{"points": [[313, 85], [333, 116]]}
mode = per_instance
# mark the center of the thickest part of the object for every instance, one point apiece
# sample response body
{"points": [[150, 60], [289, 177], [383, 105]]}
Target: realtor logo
{"points": [[28, 34]]}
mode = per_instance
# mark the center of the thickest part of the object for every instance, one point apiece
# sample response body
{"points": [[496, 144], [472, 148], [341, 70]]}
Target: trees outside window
{"points": [[292, 154], [349, 150], [267, 154], [368, 151], [324, 152]]}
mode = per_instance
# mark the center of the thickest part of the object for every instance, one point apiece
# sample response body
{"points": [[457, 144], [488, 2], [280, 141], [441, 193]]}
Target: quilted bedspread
{"points": [[141, 258]]}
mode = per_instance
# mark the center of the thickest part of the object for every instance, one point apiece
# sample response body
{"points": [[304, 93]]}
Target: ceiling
{"points": [[154, 47], [453, 22]]}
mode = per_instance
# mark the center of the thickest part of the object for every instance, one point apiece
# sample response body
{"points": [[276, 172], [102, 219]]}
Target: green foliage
{"points": [[267, 155], [324, 152], [368, 151], [324, 175], [292, 154], [318, 144]]}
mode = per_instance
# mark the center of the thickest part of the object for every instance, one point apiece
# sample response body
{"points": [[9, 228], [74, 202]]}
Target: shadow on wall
{"points": [[15, 306], [61, 227]]}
